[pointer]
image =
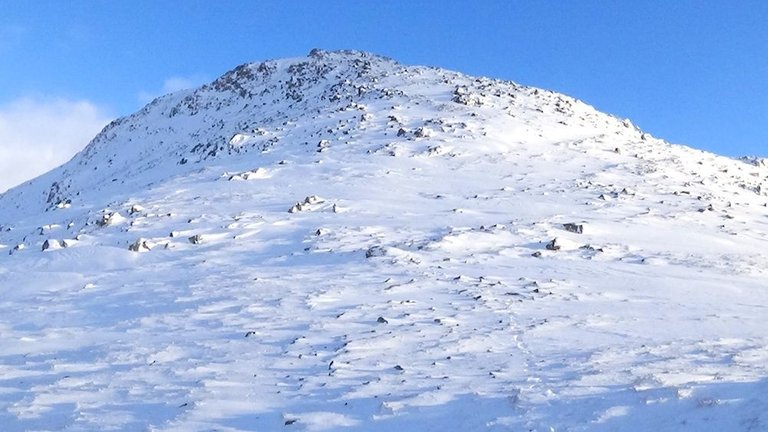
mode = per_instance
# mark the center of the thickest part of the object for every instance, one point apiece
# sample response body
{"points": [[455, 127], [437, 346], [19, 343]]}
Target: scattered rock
{"points": [[196, 239], [463, 96], [323, 145], [554, 245], [574, 228], [313, 199], [52, 244], [591, 248], [304, 205], [375, 251], [536, 254], [140, 245], [110, 219], [136, 209], [423, 132], [258, 173], [382, 320]]}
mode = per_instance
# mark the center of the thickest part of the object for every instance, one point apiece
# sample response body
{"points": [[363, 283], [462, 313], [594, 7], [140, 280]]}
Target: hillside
{"points": [[341, 241]]}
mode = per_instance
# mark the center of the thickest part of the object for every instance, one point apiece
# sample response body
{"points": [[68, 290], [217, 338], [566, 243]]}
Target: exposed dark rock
{"points": [[52, 244], [591, 248], [574, 228], [140, 245], [553, 245], [375, 251], [423, 132]]}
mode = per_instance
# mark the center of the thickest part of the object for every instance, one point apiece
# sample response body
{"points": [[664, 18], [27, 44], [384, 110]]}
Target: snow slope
{"points": [[341, 242]]}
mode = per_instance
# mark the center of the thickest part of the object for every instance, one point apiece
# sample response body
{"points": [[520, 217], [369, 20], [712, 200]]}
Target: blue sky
{"points": [[691, 72]]}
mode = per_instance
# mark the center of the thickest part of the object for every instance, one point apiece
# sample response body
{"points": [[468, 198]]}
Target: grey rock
{"points": [[553, 245], [139, 245], [574, 228]]}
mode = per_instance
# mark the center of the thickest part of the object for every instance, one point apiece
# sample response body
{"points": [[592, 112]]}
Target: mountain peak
{"points": [[272, 109], [343, 241], [268, 100], [246, 79]]}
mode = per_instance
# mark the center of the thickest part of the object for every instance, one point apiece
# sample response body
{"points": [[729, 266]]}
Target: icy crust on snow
{"points": [[378, 247]]}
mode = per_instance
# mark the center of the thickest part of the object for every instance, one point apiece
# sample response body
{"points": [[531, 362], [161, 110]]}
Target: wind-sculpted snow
{"points": [[340, 242]]}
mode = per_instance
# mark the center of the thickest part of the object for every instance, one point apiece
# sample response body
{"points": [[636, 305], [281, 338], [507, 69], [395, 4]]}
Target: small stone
{"points": [[382, 320], [139, 245], [313, 199], [574, 228], [51, 244], [375, 251], [553, 245]]}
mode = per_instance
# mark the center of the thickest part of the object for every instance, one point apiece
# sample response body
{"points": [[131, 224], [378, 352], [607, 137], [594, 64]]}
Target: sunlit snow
{"points": [[340, 242]]}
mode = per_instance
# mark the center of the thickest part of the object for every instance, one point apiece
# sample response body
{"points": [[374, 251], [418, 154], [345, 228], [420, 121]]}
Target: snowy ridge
{"points": [[341, 241]]}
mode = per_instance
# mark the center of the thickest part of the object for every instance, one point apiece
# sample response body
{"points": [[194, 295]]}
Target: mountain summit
{"points": [[286, 106], [344, 242]]}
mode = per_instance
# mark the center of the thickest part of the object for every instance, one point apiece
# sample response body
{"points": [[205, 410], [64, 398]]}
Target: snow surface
{"points": [[410, 285]]}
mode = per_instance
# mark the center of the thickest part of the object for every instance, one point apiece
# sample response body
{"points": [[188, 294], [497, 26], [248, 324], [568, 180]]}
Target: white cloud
{"points": [[171, 85], [38, 134]]}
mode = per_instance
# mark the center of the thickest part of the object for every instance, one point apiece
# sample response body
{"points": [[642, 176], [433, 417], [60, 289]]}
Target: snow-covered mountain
{"points": [[342, 242]]}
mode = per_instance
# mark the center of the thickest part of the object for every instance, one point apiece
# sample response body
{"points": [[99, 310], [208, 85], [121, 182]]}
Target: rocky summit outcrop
{"points": [[403, 247]]}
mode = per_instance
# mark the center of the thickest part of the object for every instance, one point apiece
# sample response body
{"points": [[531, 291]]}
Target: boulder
{"points": [[140, 245], [553, 245], [110, 219], [375, 251], [574, 228], [52, 244]]}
